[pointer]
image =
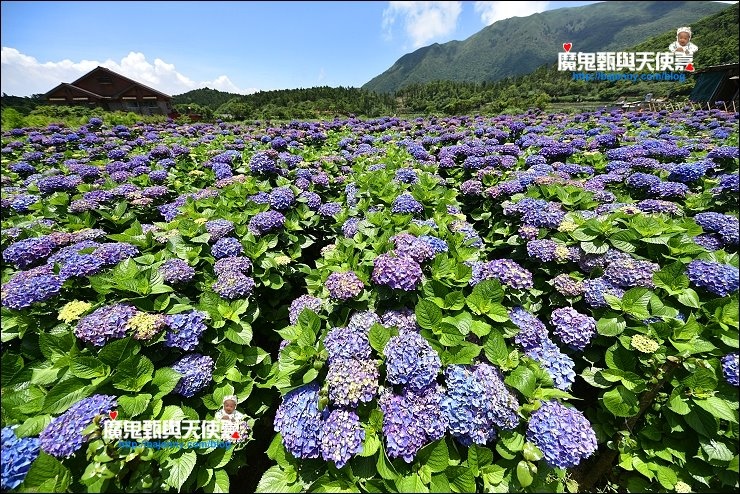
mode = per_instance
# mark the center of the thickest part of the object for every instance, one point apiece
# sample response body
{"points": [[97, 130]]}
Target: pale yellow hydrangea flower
{"points": [[567, 226], [200, 221], [644, 344], [73, 310], [145, 325], [282, 260], [682, 487]]}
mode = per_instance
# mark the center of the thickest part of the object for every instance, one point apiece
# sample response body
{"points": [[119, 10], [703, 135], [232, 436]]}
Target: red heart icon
{"points": [[567, 47], [690, 67], [113, 415], [235, 435]]}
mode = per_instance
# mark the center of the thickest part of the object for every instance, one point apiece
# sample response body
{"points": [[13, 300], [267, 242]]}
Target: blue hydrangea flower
{"points": [[227, 247], [29, 251], [26, 288], [594, 291], [299, 421], [730, 369], [363, 321], [303, 302], [17, 454], [406, 204], [232, 285], [716, 278], [573, 328], [176, 271], [412, 420], [352, 381], [506, 271], [265, 222], [557, 364], [185, 329], [567, 286], [197, 372], [263, 162], [404, 319], [219, 228], [342, 435], [477, 403], [411, 361], [563, 434], [344, 285], [114, 252], [235, 264], [63, 436], [413, 247], [329, 209], [532, 331], [105, 324], [281, 198], [347, 343]]}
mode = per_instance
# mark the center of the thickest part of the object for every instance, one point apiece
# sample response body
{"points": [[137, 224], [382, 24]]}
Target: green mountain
{"points": [[520, 45]]}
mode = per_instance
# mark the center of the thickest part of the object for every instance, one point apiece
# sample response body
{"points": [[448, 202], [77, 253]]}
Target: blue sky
{"points": [[240, 47]]}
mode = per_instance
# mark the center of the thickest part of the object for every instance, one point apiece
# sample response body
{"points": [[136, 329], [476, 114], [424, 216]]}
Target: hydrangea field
{"points": [[535, 303]]}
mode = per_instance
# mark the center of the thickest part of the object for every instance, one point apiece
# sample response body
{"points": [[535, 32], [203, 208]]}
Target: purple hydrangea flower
{"points": [[595, 289], [234, 264], [303, 302], [573, 328], [227, 247], [114, 252], [628, 273], [506, 271], [330, 209], [344, 285], [232, 285], [363, 321], [219, 228], [197, 372], [404, 319], [532, 331], [25, 288], [264, 162], [184, 330], [352, 381], [105, 324], [557, 364], [730, 369], [63, 436], [18, 454], [342, 435], [281, 198], [396, 272], [716, 278], [413, 247], [477, 403], [80, 265], [567, 286], [299, 421], [563, 434], [176, 271], [406, 204], [265, 222], [411, 420], [29, 251], [411, 361], [347, 343]]}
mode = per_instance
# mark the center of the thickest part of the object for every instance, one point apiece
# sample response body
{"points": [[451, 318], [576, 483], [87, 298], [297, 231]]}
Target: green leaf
{"points": [[489, 290], [718, 407], [461, 479], [667, 477], [48, 472], [716, 450], [524, 473], [65, 394], [131, 406], [463, 354], [672, 278], [412, 483], [434, 455], [495, 347], [33, 426], [116, 351], [595, 247], [133, 373], [635, 302], [11, 367], [611, 324], [219, 482], [689, 298], [512, 440], [88, 367], [454, 301], [428, 315], [54, 346], [164, 381], [621, 402], [440, 483], [702, 422], [384, 465], [379, 336], [178, 468], [523, 380]]}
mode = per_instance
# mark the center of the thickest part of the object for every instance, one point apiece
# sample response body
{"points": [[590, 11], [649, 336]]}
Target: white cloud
{"points": [[491, 12], [23, 75], [422, 21]]}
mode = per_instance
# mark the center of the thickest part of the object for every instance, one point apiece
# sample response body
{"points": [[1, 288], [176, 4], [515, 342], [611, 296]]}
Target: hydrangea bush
{"points": [[534, 302]]}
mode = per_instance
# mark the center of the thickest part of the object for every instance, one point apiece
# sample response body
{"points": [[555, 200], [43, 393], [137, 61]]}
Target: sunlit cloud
{"points": [[422, 22], [23, 75], [491, 12]]}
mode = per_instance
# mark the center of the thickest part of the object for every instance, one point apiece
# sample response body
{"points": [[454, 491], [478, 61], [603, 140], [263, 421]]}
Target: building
{"points": [[103, 88], [716, 83]]}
